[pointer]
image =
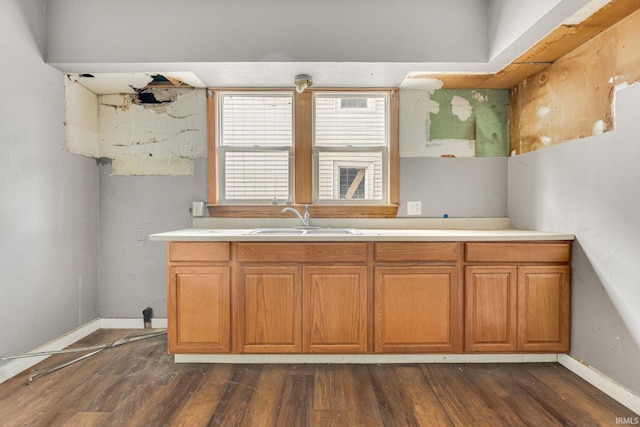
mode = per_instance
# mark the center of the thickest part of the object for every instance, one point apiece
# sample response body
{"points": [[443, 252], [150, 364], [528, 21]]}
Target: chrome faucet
{"points": [[304, 219]]}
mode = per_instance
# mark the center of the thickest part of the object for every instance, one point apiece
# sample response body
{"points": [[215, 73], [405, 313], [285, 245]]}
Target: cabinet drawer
{"points": [[416, 252], [518, 252], [199, 251], [302, 252]]}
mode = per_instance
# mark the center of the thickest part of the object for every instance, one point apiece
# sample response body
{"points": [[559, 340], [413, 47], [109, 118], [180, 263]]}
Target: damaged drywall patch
{"points": [[454, 123], [545, 140], [579, 88], [155, 99], [461, 108], [543, 111], [157, 128], [480, 116], [154, 138]]}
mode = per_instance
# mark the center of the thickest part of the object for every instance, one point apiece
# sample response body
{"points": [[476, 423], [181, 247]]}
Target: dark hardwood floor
{"points": [[138, 384]]}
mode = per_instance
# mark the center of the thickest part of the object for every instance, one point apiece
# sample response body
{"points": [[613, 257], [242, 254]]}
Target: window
{"points": [[350, 134], [334, 150], [255, 145]]}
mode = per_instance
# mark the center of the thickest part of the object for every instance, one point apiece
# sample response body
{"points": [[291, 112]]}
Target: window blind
{"points": [[257, 120], [255, 144]]}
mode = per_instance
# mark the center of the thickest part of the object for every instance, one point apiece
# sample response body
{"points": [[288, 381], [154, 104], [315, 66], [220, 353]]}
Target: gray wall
{"points": [[132, 271], [473, 187], [49, 202], [591, 188], [124, 31]]}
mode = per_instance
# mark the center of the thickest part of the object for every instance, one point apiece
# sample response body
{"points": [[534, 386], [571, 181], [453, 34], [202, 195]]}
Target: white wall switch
{"points": [[197, 209], [414, 208]]}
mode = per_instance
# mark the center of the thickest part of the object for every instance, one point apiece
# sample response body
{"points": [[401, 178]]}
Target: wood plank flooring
{"points": [[138, 384]]}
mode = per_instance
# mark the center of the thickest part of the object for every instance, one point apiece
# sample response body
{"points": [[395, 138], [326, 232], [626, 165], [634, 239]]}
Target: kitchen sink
{"points": [[305, 230]]}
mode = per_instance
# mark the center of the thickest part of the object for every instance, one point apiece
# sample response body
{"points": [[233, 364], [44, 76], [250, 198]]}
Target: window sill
{"points": [[316, 211]]}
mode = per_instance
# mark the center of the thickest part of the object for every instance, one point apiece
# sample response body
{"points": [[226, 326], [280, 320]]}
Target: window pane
{"points": [[350, 176], [256, 175], [350, 120], [256, 120], [352, 183]]}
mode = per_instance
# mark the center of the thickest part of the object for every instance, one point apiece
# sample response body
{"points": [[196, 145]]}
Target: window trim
{"points": [[303, 162]]}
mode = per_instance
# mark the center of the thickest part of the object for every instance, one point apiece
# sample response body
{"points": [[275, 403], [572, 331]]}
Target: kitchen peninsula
{"points": [[366, 291]]}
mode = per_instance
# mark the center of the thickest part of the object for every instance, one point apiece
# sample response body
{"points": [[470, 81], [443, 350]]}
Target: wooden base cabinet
{"points": [[519, 300], [491, 308], [199, 307], [270, 310], [543, 308], [302, 297], [359, 297], [417, 309], [335, 309]]}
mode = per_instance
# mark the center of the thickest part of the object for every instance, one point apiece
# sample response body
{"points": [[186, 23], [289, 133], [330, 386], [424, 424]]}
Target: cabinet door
{"points": [[335, 309], [490, 308], [543, 308], [417, 309], [270, 310], [199, 310]]}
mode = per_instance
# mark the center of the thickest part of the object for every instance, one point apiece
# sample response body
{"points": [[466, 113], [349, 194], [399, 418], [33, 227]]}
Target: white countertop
{"points": [[435, 235]]}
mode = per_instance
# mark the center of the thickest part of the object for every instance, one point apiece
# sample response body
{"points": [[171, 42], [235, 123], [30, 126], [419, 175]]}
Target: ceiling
{"points": [[405, 43]]}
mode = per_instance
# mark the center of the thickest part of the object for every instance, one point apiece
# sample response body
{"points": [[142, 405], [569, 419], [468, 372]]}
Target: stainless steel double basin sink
{"points": [[305, 230]]}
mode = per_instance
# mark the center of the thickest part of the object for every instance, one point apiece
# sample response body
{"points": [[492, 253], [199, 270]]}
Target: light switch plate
{"points": [[197, 209], [414, 208]]}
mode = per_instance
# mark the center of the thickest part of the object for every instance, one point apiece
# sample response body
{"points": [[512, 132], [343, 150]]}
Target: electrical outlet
{"points": [[414, 208], [141, 235]]}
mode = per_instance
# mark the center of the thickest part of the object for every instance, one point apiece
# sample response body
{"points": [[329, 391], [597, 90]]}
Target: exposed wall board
{"points": [[573, 97], [81, 119], [109, 83], [153, 139], [146, 130], [454, 123]]}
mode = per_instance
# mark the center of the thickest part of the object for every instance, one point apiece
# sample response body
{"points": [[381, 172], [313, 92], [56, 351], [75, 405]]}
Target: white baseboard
{"points": [[14, 367], [109, 323], [601, 382]]}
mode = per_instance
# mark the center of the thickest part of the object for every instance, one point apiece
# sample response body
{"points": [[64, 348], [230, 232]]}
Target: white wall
{"points": [[48, 208], [591, 188]]}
